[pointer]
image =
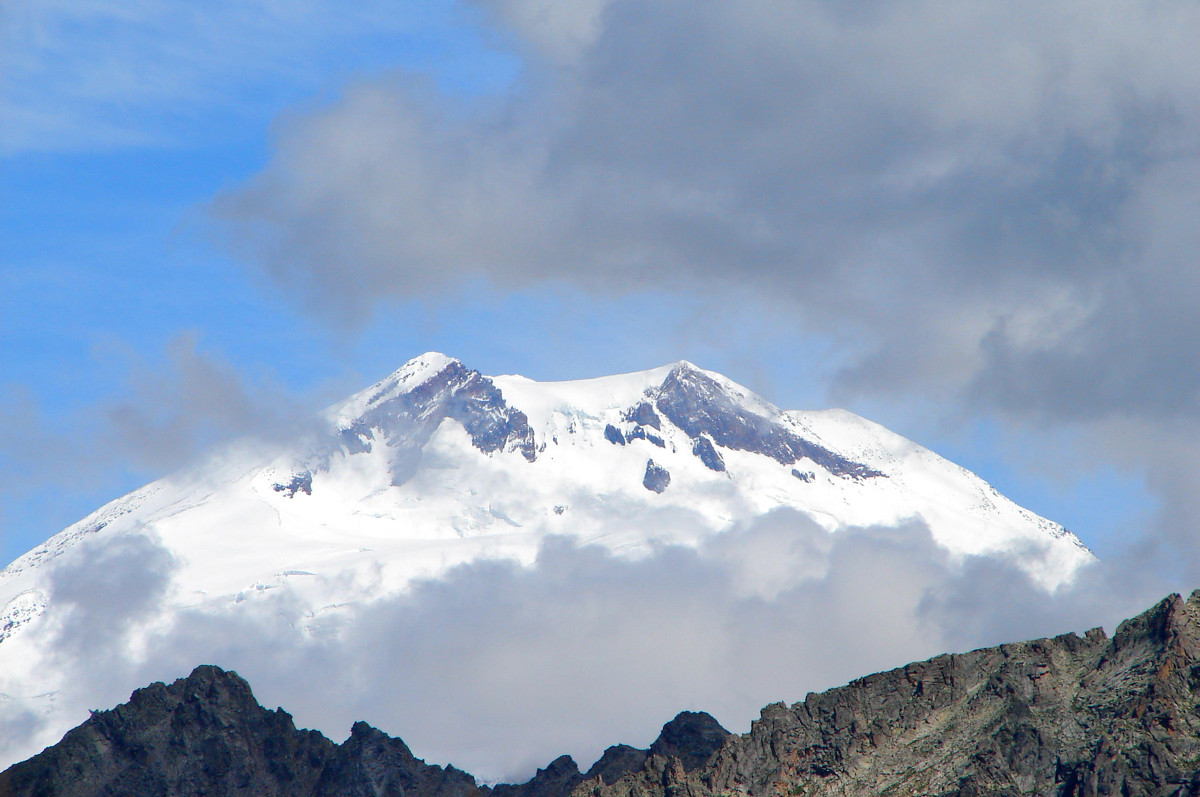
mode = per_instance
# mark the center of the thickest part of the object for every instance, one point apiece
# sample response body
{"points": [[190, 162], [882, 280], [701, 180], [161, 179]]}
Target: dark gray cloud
{"points": [[984, 197], [170, 411], [104, 587], [161, 413], [499, 668], [102, 593]]}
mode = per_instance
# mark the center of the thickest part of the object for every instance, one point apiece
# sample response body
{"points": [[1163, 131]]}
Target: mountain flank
{"points": [[1069, 716]]}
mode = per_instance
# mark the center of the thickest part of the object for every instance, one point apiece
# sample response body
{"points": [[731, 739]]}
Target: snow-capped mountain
{"points": [[438, 465]]}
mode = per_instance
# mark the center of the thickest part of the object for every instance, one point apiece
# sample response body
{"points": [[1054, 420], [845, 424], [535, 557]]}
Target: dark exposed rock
{"points": [[708, 454], [657, 477], [558, 779], [1069, 716], [356, 439], [458, 393], [204, 734], [207, 735], [698, 405], [644, 415], [692, 737], [617, 761], [300, 483], [705, 410], [613, 435], [370, 763], [805, 476], [640, 433]]}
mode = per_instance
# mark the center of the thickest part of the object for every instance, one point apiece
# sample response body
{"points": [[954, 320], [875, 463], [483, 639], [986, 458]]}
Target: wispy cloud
{"points": [[161, 414], [82, 75]]}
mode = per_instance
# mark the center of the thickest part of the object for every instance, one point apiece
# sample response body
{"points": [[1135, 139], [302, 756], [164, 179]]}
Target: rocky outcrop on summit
{"points": [[692, 737], [455, 392], [699, 405]]}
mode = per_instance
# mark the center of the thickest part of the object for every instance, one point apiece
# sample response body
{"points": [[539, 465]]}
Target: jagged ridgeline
{"points": [[1069, 716]]}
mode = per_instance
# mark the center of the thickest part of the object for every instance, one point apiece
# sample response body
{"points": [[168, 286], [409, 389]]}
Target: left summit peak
{"points": [[404, 379], [415, 372], [408, 405]]}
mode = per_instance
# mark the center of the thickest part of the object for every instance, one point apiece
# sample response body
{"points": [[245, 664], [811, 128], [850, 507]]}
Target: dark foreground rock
{"points": [[1070, 716], [207, 735]]}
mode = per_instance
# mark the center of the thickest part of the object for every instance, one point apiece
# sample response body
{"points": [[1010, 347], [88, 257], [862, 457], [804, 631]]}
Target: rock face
{"points": [[202, 733], [657, 478], [1070, 716], [692, 737], [699, 405], [205, 734], [708, 454], [455, 392]]}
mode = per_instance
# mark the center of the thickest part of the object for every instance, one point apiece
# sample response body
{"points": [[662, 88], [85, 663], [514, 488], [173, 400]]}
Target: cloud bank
{"points": [[500, 668]]}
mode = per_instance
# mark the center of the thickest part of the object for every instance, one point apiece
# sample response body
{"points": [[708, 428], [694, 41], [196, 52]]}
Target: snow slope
{"points": [[438, 465]]}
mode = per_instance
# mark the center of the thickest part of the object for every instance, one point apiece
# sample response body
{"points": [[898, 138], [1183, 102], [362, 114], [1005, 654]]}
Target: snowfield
{"points": [[437, 465]]}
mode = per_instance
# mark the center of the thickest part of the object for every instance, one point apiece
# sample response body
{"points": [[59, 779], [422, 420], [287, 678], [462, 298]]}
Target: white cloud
{"points": [[499, 668]]}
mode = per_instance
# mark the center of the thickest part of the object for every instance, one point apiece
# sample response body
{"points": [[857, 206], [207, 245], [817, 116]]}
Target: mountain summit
{"points": [[438, 465]]}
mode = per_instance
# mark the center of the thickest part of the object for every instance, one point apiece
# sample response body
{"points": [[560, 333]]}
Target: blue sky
{"points": [[673, 185]]}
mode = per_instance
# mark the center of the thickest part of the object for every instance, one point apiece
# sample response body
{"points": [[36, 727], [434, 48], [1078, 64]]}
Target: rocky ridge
{"points": [[206, 734], [451, 391], [406, 408], [1071, 716], [707, 413]]}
